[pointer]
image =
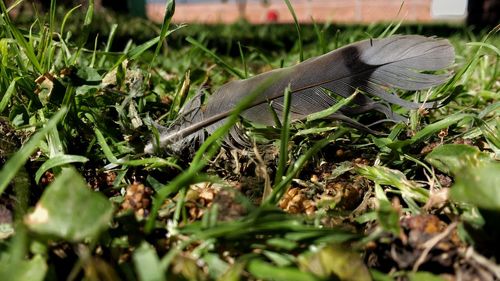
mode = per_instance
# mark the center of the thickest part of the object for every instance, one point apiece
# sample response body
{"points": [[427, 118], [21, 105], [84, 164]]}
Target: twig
{"points": [[429, 244], [486, 263]]}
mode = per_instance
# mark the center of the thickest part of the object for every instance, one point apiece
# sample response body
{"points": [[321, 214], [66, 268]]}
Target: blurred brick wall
{"points": [[340, 11]]}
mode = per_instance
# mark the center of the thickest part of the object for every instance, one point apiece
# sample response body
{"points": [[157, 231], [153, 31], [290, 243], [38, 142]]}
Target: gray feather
{"points": [[371, 66]]}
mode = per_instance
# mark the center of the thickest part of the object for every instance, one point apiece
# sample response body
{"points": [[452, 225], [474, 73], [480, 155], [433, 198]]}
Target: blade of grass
{"points": [[169, 13], [297, 27], [385, 176], [147, 264], [485, 45], [180, 95], [136, 52], [391, 28], [264, 270], [66, 52], [8, 94], [439, 125], [111, 36], [331, 110], [285, 136], [85, 31], [152, 162], [47, 58], [57, 161], [13, 165], [94, 53], [105, 147], [14, 5], [243, 60], [321, 38], [221, 62]]}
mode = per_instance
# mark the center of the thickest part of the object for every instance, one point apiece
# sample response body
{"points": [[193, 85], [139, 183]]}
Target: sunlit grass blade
{"points": [[439, 125], [152, 162], [8, 94], [169, 13], [297, 28], [58, 161], [385, 176], [111, 36], [391, 28], [14, 5], [331, 110], [105, 147]]}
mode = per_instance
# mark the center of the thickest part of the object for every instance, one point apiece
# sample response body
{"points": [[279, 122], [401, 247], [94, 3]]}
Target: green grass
{"points": [[79, 108]]}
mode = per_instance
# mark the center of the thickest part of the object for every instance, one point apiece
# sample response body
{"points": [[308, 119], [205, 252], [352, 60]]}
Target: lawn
{"points": [[82, 94]]}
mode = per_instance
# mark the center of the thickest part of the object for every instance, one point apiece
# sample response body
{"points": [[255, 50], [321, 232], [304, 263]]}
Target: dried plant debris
{"points": [[203, 197], [11, 139], [425, 243], [101, 180], [137, 199], [296, 202]]}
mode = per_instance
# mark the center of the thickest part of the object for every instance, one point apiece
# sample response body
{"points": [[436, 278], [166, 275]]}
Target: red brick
{"points": [[344, 11], [387, 10]]}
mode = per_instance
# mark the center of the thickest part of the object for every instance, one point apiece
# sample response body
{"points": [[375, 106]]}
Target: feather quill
{"points": [[372, 67]]}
